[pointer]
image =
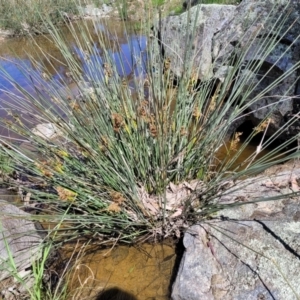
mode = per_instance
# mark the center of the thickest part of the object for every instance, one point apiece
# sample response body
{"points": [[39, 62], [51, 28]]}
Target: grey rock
{"points": [[20, 240], [252, 252], [177, 38], [259, 21], [47, 131], [194, 31], [91, 10], [6, 33], [212, 34], [193, 280]]}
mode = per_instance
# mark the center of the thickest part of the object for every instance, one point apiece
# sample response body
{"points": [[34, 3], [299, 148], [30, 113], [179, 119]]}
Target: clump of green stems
{"points": [[120, 148], [33, 281]]}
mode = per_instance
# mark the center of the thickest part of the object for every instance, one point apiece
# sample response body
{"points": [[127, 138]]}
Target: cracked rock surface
{"points": [[247, 252]]}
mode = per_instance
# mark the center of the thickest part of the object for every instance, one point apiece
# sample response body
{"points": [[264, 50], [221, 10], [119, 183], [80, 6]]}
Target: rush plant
{"points": [[132, 151]]}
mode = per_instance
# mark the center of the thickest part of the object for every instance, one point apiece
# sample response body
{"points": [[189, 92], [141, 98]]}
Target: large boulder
{"points": [[258, 22], [248, 252], [213, 34], [193, 31]]}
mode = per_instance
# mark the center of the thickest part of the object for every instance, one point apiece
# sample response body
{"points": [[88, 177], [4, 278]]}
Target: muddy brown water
{"points": [[144, 271]]}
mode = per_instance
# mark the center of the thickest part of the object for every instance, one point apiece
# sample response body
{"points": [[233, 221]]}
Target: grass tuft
{"points": [[134, 153], [123, 150]]}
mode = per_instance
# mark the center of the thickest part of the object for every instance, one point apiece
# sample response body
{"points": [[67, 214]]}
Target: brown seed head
{"points": [[196, 112], [114, 208], [234, 142], [183, 131], [153, 129], [107, 70], [117, 121], [167, 63], [117, 197], [262, 126]]}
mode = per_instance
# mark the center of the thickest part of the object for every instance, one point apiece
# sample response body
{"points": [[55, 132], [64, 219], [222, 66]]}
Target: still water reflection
{"points": [[22, 60]]}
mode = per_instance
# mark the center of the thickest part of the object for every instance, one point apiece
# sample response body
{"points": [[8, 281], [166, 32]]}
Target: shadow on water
{"points": [[115, 294], [179, 251], [144, 271]]}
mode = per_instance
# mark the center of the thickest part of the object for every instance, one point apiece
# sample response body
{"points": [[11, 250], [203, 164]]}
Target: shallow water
{"points": [[143, 271], [21, 61], [9, 195]]}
